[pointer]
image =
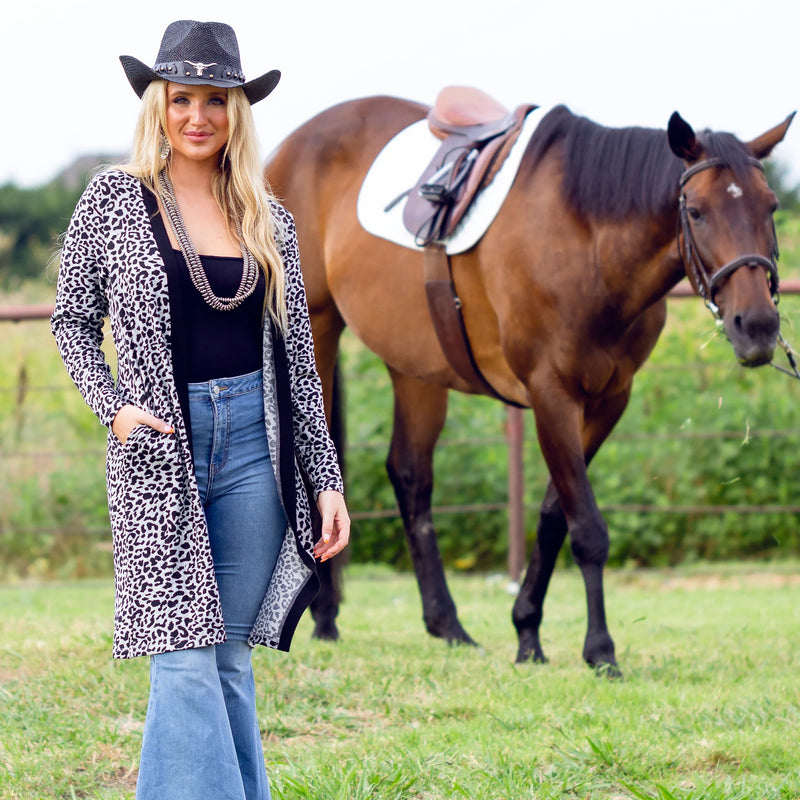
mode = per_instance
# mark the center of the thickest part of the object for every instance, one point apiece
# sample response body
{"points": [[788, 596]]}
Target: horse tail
{"points": [[339, 436], [338, 421], [325, 607]]}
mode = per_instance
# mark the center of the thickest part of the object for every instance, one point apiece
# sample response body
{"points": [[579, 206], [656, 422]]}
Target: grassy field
{"points": [[709, 707]]}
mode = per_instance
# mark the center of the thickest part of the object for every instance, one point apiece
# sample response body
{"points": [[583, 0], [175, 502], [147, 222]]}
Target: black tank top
{"points": [[221, 344]]}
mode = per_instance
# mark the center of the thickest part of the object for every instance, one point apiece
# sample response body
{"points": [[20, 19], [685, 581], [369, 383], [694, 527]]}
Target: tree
{"points": [[778, 177], [31, 220]]}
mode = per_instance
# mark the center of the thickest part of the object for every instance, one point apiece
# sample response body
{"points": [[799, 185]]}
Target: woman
{"points": [[215, 422]]}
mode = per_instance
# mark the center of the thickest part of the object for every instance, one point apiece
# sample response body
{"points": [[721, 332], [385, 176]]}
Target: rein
{"points": [[707, 284], [787, 348]]}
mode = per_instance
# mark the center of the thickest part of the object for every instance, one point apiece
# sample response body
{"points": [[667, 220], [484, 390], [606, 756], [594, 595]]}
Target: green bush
{"points": [[726, 437], [700, 432]]}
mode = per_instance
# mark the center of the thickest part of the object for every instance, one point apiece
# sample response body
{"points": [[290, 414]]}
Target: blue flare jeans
{"points": [[201, 734]]}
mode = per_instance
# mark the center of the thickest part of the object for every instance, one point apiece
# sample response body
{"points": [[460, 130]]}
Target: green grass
{"points": [[709, 707]]}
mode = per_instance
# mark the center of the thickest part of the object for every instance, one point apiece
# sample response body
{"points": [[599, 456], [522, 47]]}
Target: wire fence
{"points": [[21, 455]]}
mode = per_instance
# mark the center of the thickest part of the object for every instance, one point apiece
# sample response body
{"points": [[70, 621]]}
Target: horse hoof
{"points": [[468, 642], [527, 655], [529, 647], [607, 670], [452, 633], [598, 653], [326, 632], [461, 638]]}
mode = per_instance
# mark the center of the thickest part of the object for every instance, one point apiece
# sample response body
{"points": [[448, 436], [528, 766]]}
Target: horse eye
{"points": [[694, 213]]}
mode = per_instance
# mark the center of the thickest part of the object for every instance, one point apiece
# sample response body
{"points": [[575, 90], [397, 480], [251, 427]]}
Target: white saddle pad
{"points": [[399, 165]]}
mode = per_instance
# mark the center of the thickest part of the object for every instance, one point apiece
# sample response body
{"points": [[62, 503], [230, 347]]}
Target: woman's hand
{"points": [[335, 525], [128, 417]]}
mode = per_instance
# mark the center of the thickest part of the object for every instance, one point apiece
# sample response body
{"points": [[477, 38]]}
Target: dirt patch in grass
{"points": [[709, 582], [754, 580]]}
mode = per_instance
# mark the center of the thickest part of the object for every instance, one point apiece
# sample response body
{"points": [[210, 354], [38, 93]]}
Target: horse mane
{"points": [[615, 172]]}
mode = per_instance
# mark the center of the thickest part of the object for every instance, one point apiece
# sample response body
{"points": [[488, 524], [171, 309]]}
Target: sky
{"points": [[724, 64]]}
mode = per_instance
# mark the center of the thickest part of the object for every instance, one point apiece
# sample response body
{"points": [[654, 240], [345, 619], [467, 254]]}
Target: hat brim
{"points": [[140, 76]]}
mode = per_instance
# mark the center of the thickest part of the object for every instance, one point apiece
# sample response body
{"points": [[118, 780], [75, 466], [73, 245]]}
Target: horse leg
{"points": [[420, 410], [570, 505], [527, 612]]}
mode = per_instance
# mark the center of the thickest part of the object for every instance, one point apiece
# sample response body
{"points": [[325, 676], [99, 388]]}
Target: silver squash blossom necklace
{"points": [[196, 271]]}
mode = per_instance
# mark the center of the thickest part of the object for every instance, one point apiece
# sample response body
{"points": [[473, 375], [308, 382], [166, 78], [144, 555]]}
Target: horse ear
{"points": [[682, 140], [762, 146]]}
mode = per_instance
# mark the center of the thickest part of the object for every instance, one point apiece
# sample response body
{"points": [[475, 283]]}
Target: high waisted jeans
{"points": [[201, 735]]}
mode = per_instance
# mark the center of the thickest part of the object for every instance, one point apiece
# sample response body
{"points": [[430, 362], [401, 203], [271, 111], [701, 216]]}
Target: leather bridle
{"points": [[705, 282]]}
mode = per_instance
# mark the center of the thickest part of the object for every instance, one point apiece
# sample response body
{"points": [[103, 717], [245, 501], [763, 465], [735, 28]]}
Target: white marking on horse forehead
{"points": [[735, 191]]}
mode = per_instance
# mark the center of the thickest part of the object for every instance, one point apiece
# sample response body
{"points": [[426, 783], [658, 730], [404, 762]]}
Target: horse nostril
{"points": [[756, 326]]}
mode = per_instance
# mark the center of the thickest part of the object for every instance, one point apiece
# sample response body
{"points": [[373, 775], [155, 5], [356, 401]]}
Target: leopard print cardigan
{"points": [[166, 597]]}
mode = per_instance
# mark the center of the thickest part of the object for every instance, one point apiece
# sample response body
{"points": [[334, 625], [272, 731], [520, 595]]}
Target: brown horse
{"points": [[563, 300]]}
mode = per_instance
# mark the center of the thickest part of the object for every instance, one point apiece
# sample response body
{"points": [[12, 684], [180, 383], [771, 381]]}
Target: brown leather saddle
{"points": [[477, 133]]}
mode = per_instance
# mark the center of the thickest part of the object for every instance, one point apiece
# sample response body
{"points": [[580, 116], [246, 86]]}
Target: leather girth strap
{"points": [[448, 321]]}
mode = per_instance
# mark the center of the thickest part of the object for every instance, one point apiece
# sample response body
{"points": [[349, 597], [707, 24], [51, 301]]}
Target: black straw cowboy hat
{"points": [[199, 53]]}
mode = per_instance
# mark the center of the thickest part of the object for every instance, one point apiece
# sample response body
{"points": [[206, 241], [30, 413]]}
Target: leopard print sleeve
{"points": [[315, 450], [81, 302]]}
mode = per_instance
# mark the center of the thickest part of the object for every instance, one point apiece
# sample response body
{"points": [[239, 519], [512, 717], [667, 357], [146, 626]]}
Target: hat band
{"points": [[197, 69]]}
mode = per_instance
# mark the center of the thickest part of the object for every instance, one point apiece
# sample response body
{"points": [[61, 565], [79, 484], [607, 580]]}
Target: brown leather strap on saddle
{"points": [[448, 321], [478, 133]]}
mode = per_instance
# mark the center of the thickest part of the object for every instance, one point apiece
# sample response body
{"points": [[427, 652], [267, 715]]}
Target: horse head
{"points": [[727, 233]]}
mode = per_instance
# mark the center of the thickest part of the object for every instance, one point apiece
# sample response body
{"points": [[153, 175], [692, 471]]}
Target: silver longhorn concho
{"points": [[200, 66]]}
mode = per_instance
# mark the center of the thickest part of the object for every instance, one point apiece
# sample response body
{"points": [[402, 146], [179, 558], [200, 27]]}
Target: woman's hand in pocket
{"points": [[128, 417]]}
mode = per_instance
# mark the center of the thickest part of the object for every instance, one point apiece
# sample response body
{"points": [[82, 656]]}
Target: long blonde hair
{"points": [[239, 186]]}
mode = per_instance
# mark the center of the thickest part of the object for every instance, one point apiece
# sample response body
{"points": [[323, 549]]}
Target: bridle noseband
{"points": [[707, 284]]}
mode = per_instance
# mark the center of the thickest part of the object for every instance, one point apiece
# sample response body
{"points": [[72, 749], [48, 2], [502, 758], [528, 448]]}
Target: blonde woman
{"points": [[215, 418]]}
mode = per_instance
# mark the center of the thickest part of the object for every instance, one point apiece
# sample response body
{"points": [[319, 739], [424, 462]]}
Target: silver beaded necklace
{"points": [[196, 271]]}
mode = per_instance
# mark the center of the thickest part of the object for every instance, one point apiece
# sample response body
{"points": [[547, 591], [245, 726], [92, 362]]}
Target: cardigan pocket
{"points": [[146, 479], [150, 459], [136, 430]]}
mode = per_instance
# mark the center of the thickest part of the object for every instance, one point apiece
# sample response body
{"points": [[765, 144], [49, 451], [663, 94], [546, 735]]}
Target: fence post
{"points": [[516, 504]]}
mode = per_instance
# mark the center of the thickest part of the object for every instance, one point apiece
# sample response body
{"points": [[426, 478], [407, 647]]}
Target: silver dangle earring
{"points": [[165, 148]]}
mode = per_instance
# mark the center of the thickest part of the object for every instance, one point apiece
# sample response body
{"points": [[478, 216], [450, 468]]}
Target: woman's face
{"points": [[197, 121]]}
